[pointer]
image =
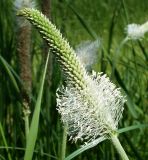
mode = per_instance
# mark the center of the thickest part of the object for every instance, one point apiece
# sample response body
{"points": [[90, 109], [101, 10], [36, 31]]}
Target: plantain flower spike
{"points": [[90, 105], [136, 31]]}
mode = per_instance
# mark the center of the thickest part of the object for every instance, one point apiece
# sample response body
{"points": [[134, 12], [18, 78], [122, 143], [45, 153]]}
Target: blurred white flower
{"points": [[92, 112], [20, 4], [136, 31], [87, 52]]}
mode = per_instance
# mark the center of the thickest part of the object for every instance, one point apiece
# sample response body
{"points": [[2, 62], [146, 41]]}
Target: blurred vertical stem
{"points": [[24, 40], [46, 10], [64, 141], [117, 54], [62, 28]]}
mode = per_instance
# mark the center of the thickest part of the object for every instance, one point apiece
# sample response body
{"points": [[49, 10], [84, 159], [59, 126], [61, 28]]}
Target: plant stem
{"points": [[119, 147], [26, 126], [64, 141], [26, 118], [117, 54], [24, 55]]}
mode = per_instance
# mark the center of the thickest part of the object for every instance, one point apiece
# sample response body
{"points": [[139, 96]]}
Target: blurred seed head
{"points": [[136, 31], [87, 52]]}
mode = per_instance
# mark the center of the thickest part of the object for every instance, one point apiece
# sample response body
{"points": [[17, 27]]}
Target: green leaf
{"points": [[4, 140], [32, 136], [84, 148], [9, 71], [83, 22], [126, 129]]}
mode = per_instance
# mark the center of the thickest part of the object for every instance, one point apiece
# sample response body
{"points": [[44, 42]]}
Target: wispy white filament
{"points": [[87, 52], [136, 31], [92, 112]]}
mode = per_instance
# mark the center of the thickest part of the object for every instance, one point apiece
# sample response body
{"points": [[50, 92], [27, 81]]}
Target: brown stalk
{"points": [[24, 41]]}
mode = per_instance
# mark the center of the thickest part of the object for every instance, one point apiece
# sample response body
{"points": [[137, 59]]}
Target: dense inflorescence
{"points": [[90, 106]]}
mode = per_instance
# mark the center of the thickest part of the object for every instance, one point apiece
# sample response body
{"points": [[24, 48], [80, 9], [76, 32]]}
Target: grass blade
{"points": [[23, 149], [8, 69], [143, 51], [129, 102], [83, 22], [32, 136], [84, 148], [130, 128], [5, 142]]}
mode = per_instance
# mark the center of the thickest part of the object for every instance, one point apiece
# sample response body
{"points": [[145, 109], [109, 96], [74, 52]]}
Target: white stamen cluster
{"points": [[92, 112], [136, 31]]}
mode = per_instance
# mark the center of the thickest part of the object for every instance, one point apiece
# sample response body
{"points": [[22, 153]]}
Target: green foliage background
{"points": [[78, 21]]}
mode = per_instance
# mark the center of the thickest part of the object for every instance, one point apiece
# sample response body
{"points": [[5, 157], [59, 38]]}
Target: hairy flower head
{"points": [[90, 106], [136, 31], [92, 112]]}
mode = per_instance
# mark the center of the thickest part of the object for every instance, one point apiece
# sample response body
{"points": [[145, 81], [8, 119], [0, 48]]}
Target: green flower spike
{"points": [[90, 106], [58, 45]]}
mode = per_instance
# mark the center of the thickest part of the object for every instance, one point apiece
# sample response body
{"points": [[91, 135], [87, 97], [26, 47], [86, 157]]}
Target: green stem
{"points": [[119, 147], [26, 112], [64, 141], [117, 54], [26, 126]]}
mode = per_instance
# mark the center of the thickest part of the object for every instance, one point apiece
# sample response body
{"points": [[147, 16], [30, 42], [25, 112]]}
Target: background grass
{"points": [[78, 21]]}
